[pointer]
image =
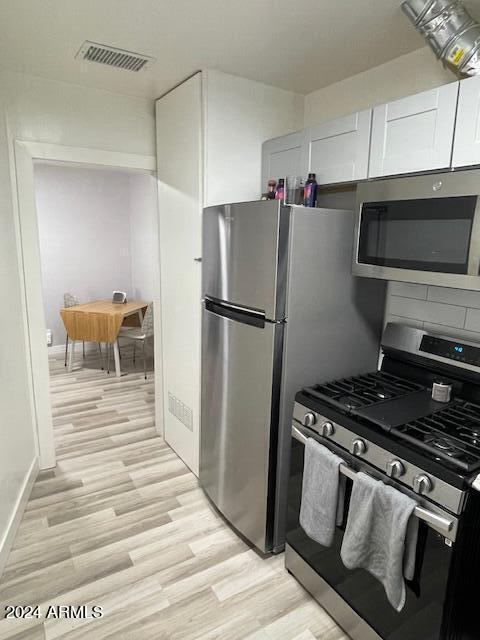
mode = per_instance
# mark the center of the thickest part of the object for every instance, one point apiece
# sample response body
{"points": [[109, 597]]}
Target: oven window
{"points": [[426, 235]]}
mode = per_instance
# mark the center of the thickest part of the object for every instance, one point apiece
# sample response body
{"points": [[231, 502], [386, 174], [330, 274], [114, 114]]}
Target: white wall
{"points": [[84, 230], [414, 72], [54, 112], [239, 115], [142, 201], [18, 445]]}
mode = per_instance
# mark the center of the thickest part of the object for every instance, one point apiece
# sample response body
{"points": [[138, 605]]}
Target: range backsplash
{"points": [[440, 309]]}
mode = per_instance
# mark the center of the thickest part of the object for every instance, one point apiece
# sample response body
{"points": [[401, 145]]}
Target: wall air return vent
{"points": [[103, 54], [180, 411]]}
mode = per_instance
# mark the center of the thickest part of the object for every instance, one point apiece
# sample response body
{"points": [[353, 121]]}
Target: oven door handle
{"points": [[441, 524]]}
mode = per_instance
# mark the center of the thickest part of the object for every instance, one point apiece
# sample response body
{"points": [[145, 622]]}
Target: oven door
{"points": [[423, 229], [421, 618]]}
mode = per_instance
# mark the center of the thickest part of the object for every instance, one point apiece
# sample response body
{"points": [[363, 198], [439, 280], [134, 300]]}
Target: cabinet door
{"points": [[337, 151], [179, 167], [282, 157], [466, 146], [414, 133]]}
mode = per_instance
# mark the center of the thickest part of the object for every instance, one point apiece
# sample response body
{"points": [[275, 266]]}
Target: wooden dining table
{"points": [[100, 321]]}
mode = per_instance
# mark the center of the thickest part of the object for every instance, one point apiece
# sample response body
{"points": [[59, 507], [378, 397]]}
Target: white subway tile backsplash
{"points": [[418, 324], [427, 311], [472, 336], [408, 290], [459, 297], [472, 322]]}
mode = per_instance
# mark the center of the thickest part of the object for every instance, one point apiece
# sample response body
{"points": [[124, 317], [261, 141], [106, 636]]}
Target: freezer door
{"points": [[240, 365], [244, 255]]}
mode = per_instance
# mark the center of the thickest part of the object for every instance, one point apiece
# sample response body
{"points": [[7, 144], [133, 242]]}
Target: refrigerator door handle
{"points": [[235, 312]]}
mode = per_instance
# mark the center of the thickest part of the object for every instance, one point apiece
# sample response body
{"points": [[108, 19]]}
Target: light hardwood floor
{"points": [[122, 523]]}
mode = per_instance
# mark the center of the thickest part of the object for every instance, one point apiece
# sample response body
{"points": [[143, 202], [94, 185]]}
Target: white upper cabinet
{"points": [[337, 151], [282, 157], [414, 133], [466, 147]]}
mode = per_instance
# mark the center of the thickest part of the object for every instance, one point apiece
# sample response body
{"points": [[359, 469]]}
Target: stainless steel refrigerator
{"points": [[280, 310]]}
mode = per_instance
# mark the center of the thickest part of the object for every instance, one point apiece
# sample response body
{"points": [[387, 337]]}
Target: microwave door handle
{"points": [[439, 523], [474, 249]]}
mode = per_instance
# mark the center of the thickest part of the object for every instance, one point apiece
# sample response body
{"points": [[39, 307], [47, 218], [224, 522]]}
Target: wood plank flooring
{"points": [[121, 523]]}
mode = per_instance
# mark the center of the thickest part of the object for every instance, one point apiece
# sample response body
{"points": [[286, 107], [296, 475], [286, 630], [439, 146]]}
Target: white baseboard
{"points": [[57, 348], [60, 348], [12, 527], [91, 347]]}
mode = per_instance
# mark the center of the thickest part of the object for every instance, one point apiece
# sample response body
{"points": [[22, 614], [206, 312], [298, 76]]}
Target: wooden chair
{"points": [[69, 300]]}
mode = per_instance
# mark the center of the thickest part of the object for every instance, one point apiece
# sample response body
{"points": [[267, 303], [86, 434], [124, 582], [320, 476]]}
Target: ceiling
{"points": [[300, 45]]}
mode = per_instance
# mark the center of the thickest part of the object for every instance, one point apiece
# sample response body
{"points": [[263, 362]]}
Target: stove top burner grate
{"points": [[452, 434], [352, 393]]}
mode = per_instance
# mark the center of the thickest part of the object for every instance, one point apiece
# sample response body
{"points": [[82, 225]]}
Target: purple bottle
{"points": [[280, 191], [310, 191]]}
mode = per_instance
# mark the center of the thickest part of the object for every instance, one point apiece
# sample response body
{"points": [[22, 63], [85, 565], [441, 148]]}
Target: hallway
{"points": [[121, 523]]}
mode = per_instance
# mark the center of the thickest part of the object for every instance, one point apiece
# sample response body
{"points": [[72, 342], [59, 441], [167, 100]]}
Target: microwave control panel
{"points": [[451, 349]]}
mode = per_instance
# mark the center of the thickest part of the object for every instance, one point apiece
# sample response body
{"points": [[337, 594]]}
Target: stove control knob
{"points": [[422, 484], [358, 447], [395, 469], [327, 429], [309, 419]]}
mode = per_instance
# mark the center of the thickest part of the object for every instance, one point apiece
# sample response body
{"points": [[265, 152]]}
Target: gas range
{"points": [[393, 421], [390, 425], [404, 408]]}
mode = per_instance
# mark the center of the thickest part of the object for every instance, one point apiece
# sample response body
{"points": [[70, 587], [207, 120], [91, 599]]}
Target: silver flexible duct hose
{"points": [[451, 32]]}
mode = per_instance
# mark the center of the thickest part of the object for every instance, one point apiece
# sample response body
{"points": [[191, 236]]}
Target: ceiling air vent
{"points": [[113, 57]]}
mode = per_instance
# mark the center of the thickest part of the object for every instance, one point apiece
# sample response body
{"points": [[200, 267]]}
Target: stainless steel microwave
{"points": [[423, 229]]}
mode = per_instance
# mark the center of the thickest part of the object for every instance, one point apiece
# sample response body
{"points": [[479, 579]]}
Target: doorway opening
{"points": [[88, 226], [96, 236]]}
